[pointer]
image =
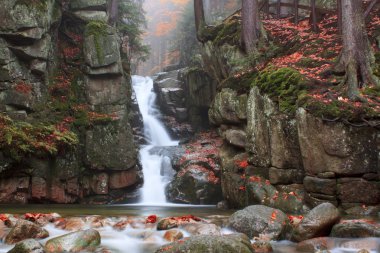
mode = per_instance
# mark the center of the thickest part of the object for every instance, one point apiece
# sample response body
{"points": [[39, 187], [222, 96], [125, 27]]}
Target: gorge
{"points": [[220, 149]]}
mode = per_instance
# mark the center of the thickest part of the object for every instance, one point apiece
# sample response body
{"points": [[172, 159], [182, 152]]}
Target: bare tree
{"points": [[357, 57], [113, 11], [199, 18]]}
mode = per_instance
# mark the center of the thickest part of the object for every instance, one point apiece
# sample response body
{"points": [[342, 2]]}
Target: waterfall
{"points": [[153, 190]]}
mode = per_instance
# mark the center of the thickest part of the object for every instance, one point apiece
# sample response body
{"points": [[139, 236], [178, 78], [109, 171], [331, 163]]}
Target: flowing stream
{"points": [[153, 190]]}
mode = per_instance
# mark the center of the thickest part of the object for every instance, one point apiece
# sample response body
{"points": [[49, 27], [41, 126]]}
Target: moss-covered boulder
{"points": [[25, 230], [208, 243], [86, 240]]}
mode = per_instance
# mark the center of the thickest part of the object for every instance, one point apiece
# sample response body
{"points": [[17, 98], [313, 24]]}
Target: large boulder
{"points": [[195, 184], [259, 220], [209, 243], [86, 240], [27, 246], [25, 230], [318, 222], [88, 4], [356, 229]]}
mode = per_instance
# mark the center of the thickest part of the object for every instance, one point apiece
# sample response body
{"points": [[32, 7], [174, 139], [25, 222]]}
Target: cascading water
{"points": [[152, 192]]}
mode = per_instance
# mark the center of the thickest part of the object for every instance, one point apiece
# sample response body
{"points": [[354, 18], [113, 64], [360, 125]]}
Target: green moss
{"points": [[377, 64], [39, 5], [229, 33], [328, 54], [20, 139], [98, 29], [283, 85]]}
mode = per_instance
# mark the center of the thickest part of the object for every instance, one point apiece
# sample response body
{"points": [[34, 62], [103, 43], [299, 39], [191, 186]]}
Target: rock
{"points": [[356, 229], [89, 16], [369, 244], [228, 107], [201, 229], [85, 240], [27, 246], [166, 224], [70, 224], [285, 176], [173, 235], [318, 222], [124, 179], [259, 220], [208, 243], [105, 90], [358, 190], [25, 230], [236, 138], [99, 183], [338, 148], [319, 185], [39, 50], [195, 184], [85, 4], [262, 246], [316, 244]]}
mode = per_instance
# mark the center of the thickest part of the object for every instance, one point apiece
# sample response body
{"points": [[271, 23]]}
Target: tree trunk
{"points": [[199, 18], [357, 56], [250, 24], [113, 10]]}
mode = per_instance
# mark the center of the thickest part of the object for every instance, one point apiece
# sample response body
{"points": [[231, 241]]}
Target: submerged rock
{"points": [[318, 222], [207, 243], [259, 220], [25, 230], [85, 240], [27, 246], [173, 235], [356, 229]]}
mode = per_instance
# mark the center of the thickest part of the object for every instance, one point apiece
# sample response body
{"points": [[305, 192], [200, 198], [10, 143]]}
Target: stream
{"points": [[137, 236]]}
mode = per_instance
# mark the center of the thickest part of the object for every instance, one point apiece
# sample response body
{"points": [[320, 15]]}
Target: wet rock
{"points": [[207, 243], [320, 185], [201, 229], [315, 244], [369, 244], [318, 222], [259, 220], [173, 222], [195, 184], [358, 190], [3, 229], [70, 224], [173, 235], [25, 230], [27, 246], [262, 246], [86, 240], [356, 229]]}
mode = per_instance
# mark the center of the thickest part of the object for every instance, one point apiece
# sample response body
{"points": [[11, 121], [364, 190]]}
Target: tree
{"points": [[357, 57], [199, 18], [251, 25]]}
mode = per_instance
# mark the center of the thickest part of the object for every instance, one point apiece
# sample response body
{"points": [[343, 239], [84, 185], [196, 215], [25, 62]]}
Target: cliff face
{"points": [[65, 78]]}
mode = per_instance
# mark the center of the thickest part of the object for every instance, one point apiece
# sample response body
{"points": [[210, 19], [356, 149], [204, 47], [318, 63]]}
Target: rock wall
{"points": [[297, 158], [71, 62]]}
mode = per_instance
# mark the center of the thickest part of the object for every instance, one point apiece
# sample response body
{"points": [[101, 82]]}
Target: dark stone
{"points": [[25, 230], [355, 229], [318, 185], [359, 191]]}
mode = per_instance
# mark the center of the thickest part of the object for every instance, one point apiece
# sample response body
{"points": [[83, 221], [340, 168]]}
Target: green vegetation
{"points": [[98, 29], [40, 5], [19, 139], [228, 33], [284, 85]]}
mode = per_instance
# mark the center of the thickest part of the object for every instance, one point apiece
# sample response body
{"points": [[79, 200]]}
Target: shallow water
{"points": [[146, 239]]}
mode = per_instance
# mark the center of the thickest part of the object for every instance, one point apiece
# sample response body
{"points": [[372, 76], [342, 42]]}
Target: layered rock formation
{"points": [[61, 64]]}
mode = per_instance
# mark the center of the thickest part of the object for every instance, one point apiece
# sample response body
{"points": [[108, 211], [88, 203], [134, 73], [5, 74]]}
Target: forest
{"points": [[226, 126]]}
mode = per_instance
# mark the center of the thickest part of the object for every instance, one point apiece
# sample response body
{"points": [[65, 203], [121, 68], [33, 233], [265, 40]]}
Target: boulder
{"points": [[358, 190], [27, 246], [195, 184], [173, 235], [88, 4], [25, 230], [356, 229], [318, 222], [316, 244], [237, 138], [228, 107], [320, 185], [201, 229], [209, 243], [85, 240], [259, 220], [89, 15]]}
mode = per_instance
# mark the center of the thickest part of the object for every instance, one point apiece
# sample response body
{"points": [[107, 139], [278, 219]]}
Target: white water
{"points": [[153, 190]]}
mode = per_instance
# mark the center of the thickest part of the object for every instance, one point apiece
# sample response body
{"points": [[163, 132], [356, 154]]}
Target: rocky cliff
{"points": [[65, 104]]}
